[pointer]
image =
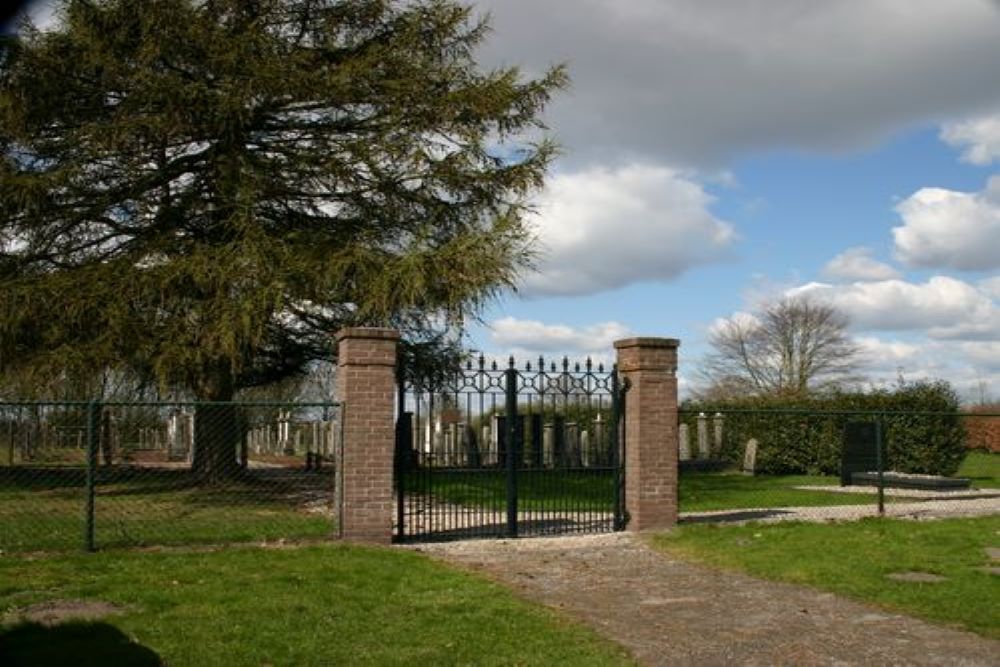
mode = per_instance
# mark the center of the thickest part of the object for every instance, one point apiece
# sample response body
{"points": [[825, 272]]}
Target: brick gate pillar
{"points": [[651, 444], [366, 386]]}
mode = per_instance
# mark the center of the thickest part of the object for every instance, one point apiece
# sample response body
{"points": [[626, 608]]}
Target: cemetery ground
{"points": [[693, 595], [43, 509], [699, 491]]}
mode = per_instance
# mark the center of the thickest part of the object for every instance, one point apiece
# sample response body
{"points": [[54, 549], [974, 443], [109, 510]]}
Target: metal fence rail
{"points": [[740, 464], [97, 475]]}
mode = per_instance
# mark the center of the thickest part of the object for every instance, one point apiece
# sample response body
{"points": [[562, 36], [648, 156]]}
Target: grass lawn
{"points": [[317, 605], [594, 490], [853, 559], [705, 491], [983, 468], [44, 511], [581, 490]]}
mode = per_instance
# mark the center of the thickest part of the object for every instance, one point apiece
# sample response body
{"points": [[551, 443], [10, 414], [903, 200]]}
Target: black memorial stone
{"points": [[860, 450]]}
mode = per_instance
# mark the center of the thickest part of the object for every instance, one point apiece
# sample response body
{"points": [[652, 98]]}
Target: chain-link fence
{"points": [[774, 464], [97, 475]]}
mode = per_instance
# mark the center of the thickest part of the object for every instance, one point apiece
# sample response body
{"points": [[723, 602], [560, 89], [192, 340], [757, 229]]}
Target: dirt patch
{"points": [[916, 577], [53, 612], [669, 611]]}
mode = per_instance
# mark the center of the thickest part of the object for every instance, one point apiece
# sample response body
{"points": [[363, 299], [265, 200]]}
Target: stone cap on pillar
{"points": [[647, 353], [378, 333], [646, 341]]}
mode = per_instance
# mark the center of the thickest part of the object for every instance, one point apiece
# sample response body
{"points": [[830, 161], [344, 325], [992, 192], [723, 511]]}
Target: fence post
{"points": [[93, 442], [366, 386], [880, 463], [617, 444], [649, 365], [512, 453]]}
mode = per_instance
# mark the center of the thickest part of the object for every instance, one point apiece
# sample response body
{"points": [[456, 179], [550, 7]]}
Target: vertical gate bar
{"points": [[338, 473], [401, 455], [529, 479], [617, 443], [93, 430], [511, 454]]}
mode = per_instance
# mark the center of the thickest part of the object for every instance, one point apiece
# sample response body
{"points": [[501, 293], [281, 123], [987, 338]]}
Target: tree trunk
{"points": [[218, 432]]}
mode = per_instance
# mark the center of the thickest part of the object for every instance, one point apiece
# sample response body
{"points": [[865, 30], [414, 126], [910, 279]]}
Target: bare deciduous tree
{"points": [[794, 346]]}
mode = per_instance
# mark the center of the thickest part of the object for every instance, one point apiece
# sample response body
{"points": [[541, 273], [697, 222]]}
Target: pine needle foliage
{"points": [[202, 191]]}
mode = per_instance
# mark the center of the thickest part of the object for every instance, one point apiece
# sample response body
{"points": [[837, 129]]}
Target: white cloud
{"points": [[534, 337], [741, 318], [945, 228], [991, 286], [882, 356], [694, 82], [979, 137], [857, 264], [944, 307], [972, 368], [606, 228], [985, 354]]}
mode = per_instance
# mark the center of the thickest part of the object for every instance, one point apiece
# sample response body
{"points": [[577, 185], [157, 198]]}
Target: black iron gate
{"points": [[488, 451]]}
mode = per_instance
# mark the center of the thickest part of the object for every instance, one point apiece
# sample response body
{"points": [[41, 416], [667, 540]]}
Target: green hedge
{"points": [[810, 443]]}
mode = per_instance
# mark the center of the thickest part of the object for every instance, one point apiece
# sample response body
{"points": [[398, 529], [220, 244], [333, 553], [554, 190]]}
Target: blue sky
{"points": [[753, 150]]}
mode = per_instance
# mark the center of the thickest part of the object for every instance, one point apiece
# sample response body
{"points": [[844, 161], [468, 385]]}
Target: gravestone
{"points": [[717, 432], [684, 444], [860, 450], [750, 457], [548, 445], [574, 460], [703, 445]]}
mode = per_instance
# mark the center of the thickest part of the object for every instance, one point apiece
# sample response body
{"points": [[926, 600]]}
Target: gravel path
{"points": [[670, 612], [952, 507]]}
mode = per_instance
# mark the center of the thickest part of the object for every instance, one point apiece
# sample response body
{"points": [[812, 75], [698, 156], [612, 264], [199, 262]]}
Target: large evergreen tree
{"points": [[202, 191]]}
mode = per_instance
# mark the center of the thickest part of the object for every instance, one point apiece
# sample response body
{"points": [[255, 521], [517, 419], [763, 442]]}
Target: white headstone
{"points": [[703, 446], [685, 442], [548, 444], [717, 429], [750, 457]]}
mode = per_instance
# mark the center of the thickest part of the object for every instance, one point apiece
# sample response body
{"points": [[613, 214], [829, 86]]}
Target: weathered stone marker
{"points": [[684, 447], [704, 451], [717, 432], [750, 457]]}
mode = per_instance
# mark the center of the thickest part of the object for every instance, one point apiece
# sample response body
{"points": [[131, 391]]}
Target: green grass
{"points": [[44, 511], [594, 490], [580, 490], [983, 468], [705, 491], [853, 559], [319, 605]]}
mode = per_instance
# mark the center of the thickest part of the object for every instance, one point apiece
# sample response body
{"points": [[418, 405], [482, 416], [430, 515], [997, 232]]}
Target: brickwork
{"points": [[983, 432], [366, 385], [651, 446]]}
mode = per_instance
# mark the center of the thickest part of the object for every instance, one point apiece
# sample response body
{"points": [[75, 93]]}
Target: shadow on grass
{"points": [[739, 515], [271, 486], [75, 643], [41, 477]]}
